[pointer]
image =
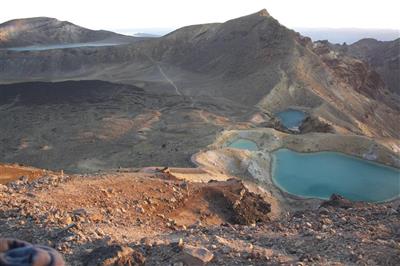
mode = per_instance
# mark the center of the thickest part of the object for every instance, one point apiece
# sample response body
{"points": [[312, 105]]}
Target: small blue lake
{"points": [[320, 174], [61, 46], [244, 144], [291, 118]]}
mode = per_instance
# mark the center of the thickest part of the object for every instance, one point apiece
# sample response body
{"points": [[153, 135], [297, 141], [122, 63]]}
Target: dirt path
{"points": [[169, 80]]}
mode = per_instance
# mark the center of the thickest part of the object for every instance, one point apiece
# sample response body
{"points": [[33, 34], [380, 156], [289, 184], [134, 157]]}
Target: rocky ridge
{"points": [[382, 56]]}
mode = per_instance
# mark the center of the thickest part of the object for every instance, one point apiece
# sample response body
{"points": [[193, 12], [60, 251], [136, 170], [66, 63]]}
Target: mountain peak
{"points": [[263, 13]]}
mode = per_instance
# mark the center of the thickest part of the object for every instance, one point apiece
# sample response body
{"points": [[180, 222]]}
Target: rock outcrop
{"points": [[314, 124], [382, 56]]}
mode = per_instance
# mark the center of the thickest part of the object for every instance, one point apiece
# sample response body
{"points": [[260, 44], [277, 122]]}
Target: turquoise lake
{"points": [[320, 174], [291, 118], [60, 46], [244, 144]]}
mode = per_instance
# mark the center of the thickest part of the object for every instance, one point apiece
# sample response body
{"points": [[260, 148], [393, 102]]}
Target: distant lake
{"points": [[61, 46], [291, 118], [244, 144], [320, 174]]}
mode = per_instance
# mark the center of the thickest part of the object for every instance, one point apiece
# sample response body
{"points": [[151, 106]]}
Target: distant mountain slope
{"points": [[383, 57], [43, 30], [348, 35], [248, 61], [255, 60]]}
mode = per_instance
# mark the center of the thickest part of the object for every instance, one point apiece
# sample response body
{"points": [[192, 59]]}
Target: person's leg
{"points": [[20, 253]]}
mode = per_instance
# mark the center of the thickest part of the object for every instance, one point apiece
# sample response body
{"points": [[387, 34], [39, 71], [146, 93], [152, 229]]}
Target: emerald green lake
{"points": [[320, 174], [244, 144], [291, 118]]}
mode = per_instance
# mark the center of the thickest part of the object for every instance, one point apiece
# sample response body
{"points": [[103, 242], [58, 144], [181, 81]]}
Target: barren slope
{"points": [[46, 31]]}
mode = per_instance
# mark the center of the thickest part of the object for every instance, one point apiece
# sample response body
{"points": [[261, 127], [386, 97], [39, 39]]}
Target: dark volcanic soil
{"points": [[84, 126]]}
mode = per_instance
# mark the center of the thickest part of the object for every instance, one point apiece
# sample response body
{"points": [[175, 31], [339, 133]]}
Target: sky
{"points": [[127, 14]]}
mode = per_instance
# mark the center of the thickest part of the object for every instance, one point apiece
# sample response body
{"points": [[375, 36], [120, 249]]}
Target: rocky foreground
{"points": [[156, 219]]}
